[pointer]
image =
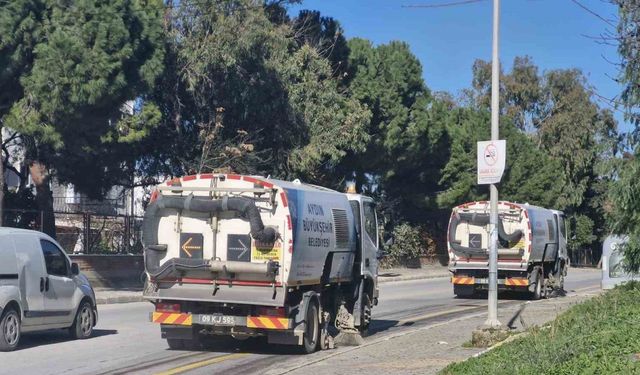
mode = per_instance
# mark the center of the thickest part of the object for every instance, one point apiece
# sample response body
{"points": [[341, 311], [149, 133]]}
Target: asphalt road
{"points": [[125, 342]]}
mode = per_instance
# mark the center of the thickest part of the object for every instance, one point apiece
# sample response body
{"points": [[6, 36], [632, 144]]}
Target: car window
{"points": [[55, 261]]}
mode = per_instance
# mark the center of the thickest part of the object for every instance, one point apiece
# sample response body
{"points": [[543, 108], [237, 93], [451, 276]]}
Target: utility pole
{"points": [[492, 319]]}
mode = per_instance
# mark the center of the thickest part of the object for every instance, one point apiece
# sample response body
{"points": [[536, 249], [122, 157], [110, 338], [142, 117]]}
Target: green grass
{"points": [[600, 336]]}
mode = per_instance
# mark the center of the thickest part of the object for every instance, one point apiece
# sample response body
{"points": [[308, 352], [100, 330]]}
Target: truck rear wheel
{"points": [[312, 330], [537, 292]]}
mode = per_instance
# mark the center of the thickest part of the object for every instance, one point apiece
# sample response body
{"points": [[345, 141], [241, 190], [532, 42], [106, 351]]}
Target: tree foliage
{"points": [[283, 113], [624, 214]]}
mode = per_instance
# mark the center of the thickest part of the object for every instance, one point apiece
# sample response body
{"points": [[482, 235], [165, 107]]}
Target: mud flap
{"points": [[178, 332], [357, 306], [284, 338]]}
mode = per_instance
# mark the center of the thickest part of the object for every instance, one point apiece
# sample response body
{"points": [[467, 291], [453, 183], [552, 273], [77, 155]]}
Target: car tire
{"points": [[9, 330], [311, 335], [82, 327]]}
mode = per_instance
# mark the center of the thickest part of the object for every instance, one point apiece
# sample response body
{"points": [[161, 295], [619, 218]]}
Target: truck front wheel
{"points": [[312, 329]]}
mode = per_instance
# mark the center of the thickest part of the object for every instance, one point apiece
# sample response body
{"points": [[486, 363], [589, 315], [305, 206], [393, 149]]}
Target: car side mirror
{"points": [[75, 270], [381, 254]]}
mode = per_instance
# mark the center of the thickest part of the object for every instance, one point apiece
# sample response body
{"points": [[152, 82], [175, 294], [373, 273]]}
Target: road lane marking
{"points": [[445, 312], [207, 362]]}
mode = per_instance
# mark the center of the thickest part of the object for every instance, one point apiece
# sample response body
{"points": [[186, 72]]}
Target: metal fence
{"points": [[85, 232]]}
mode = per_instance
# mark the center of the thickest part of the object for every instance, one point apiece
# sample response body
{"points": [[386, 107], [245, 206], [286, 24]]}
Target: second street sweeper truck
{"points": [[532, 248]]}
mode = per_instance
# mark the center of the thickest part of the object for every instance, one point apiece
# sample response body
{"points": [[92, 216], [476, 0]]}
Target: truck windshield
{"points": [[370, 222]]}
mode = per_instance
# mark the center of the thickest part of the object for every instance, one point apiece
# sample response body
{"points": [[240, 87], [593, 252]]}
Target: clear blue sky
{"points": [[447, 40]]}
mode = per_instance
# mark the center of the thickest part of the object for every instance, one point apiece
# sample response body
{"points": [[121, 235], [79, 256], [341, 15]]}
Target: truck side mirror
{"points": [[75, 270], [390, 241]]}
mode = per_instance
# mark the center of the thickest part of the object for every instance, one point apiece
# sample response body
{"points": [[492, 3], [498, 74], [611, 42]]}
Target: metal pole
{"points": [[492, 319]]}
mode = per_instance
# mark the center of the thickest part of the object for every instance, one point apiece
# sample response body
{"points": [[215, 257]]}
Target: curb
{"points": [[119, 299], [382, 279]]}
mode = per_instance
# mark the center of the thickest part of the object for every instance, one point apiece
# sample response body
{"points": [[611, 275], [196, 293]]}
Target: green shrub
{"points": [[407, 246]]}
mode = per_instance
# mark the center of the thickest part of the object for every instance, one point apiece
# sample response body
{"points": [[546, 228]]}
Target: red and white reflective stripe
{"points": [[171, 318], [208, 176], [463, 280], [516, 281], [267, 322]]}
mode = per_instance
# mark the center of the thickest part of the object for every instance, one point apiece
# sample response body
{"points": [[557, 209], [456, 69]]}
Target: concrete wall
{"points": [[112, 271]]}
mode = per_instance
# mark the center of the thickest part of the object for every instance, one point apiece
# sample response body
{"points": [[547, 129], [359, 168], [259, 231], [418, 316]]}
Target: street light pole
{"points": [[492, 319]]}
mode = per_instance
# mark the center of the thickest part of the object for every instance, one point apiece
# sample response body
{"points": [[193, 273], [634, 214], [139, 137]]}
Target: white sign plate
{"points": [[491, 161]]}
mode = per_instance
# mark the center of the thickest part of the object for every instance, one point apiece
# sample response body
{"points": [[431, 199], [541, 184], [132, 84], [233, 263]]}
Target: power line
{"points": [[608, 22], [442, 5]]}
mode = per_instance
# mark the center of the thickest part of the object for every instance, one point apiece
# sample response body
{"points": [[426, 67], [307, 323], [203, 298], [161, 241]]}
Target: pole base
{"points": [[491, 324], [484, 338]]}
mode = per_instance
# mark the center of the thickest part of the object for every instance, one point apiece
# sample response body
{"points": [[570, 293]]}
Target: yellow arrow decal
{"points": [[186, 247]]}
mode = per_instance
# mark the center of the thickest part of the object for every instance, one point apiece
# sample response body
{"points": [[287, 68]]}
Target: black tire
{"points": [[366, 314], [537, 292], [82, 327], [9, 330], [311, 335]]}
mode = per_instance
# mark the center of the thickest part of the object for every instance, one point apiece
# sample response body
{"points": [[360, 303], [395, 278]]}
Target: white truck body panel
{"points": [[312, 223]]}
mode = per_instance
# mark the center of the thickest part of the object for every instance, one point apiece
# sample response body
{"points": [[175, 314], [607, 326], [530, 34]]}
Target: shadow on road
{"points": [[31, 340], [508, 296]]}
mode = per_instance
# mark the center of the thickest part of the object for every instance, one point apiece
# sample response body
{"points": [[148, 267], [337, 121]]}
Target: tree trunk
{"points": [[44, 198]]}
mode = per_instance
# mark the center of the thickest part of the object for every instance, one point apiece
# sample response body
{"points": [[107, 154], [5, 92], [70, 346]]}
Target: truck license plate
{"points": [[217, 320]]}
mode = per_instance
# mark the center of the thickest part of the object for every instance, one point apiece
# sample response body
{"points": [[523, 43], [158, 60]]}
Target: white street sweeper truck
{"points": [[532, 248], [246, 256]]}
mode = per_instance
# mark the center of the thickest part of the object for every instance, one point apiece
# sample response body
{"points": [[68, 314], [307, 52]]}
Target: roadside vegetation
{"points": [[128, 93], [600, 336]]}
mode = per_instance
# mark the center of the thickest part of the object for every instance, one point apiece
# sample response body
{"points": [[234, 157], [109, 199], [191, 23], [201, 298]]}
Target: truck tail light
{"points": [[168, 307], [271, 311]]}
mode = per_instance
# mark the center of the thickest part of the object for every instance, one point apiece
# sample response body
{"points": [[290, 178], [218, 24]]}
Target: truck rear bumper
{"points": [[216, 320], [211, 291], [509, 281]]}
